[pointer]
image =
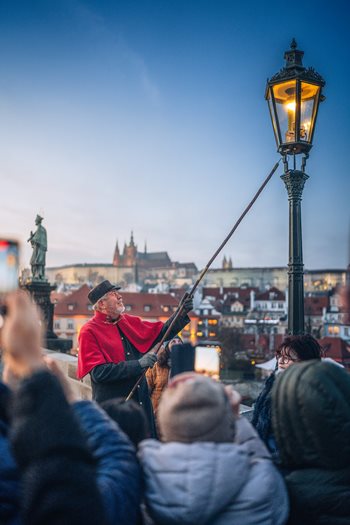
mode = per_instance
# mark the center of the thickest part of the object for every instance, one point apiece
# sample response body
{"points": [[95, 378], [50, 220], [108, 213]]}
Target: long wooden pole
{"points": [[204, 271]]}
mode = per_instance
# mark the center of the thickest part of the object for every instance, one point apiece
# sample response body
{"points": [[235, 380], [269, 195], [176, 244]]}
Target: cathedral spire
{"points": [[116, 256]]}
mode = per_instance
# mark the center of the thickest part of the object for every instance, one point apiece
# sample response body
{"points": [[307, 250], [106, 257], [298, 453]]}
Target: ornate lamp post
{"points": [[294, 95]]}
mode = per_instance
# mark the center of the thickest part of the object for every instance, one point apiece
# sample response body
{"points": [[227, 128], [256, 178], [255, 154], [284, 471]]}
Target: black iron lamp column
{"points": [[294, 95]]}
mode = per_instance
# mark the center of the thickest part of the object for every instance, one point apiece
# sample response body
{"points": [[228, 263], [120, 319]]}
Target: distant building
{"points": [[261, 278], [336, 323], [208, 321], [71, 312], [323, 280], [336, 348], [233, 303], [272, 277], [129, 267], [315, 308]]}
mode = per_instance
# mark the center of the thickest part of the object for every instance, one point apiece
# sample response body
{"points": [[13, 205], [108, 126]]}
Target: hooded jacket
{"points": [[311, 421], [213, 483]]}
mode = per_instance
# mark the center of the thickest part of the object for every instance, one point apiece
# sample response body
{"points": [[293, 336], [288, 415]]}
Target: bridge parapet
{"points": [[68, 364]]}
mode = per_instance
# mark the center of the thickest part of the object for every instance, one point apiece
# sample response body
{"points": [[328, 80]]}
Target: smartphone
{"points": [[9, 263], [207, 360]]}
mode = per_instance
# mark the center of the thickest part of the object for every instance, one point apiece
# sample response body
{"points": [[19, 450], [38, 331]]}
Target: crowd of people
{"points": [[69, 461]]}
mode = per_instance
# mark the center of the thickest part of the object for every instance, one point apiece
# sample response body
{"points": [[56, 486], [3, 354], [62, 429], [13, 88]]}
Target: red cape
{"points": [[100, 342]]}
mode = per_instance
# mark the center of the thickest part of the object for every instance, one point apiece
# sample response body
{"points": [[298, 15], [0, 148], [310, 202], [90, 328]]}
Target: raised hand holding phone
{"points": [[21, 335]]}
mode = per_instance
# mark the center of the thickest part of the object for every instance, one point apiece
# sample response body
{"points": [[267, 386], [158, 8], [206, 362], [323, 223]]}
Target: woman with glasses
{"points": [[294, 349]]}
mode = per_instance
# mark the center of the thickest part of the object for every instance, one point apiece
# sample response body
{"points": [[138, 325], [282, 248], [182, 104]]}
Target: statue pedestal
{"points": [[40, 292]]}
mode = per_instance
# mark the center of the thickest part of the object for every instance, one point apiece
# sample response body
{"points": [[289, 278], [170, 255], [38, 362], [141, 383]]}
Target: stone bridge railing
{"points": [[68, 365]]}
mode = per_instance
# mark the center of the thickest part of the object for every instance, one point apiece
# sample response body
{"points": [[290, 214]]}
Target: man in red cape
{"points": [[114, 347]]}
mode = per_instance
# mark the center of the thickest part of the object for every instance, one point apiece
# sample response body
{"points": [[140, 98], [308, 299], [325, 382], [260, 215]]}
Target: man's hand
{"points": [[148, 360], [187, 302], [21, 336]]}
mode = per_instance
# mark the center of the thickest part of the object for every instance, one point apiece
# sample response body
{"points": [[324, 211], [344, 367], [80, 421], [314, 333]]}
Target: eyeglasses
{"points": [[284, 359]]}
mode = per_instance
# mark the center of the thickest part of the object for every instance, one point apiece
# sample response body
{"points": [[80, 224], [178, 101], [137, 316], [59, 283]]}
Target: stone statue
{"points": [[38, 240]]}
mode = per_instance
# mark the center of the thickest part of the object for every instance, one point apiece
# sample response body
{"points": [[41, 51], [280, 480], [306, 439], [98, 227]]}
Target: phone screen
{"points": [[207, 361], [9, 262]]}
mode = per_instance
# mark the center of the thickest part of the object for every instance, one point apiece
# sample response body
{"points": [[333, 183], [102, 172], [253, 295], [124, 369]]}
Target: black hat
{"points": [[100, 290]]}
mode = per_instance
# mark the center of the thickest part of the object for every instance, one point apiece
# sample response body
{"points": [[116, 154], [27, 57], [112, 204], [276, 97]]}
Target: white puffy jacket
{"points": [[213, 483]]}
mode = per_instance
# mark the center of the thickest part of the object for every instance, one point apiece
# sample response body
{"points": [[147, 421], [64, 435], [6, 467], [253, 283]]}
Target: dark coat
{"points": [[118, 472], [9, 477], [58, 479], [311, 422], [261, 419]]}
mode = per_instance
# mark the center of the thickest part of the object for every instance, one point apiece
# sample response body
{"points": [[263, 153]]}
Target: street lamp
{"points": [[293, 96]]}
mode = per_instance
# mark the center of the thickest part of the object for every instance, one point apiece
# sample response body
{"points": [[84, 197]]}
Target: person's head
{"points": [[130, 417], [105, 298], [38, 220], [165, 351], [310, 415], [110, 304], [195, 408], [296, 348]]}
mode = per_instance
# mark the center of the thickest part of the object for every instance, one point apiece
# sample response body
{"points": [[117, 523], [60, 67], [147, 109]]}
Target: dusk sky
{"points": [[150, 116]]}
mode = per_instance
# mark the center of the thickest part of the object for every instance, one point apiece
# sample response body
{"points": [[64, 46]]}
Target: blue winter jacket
{"points": [[118, 472], [9, 477]]}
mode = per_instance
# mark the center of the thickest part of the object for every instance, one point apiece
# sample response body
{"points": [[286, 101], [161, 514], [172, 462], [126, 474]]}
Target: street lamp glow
{"points": [[294, 95], [291, 106]]}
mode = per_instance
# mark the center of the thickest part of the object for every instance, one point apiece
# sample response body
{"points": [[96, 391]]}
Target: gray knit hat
{"points": [[195, 408]]}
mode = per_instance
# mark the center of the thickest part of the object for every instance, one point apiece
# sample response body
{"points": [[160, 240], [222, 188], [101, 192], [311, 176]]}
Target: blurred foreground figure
{"points": [[212, 467], [74, 464], [311, 422]]}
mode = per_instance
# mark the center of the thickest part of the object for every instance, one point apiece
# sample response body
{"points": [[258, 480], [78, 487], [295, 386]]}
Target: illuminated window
{"points": [[199, 334], [212, 321], [165, 308], [71, 307], [212, 334]]}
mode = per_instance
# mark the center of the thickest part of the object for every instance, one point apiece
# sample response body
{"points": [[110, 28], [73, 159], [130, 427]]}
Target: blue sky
{"points": [[150, 115]]}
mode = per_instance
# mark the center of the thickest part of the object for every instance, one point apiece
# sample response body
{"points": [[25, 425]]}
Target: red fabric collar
{"points": [[100, 341]]}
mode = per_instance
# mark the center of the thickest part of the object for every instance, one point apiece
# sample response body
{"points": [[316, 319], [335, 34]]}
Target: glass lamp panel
{"points": [[285, 100], [273, 118], [309, 96]]}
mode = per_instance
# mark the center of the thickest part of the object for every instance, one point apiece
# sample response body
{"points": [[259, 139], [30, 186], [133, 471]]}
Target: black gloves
{"points": [[148, 360], [187, 302]]}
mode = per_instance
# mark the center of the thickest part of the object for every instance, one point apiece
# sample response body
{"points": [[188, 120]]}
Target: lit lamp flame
{"points": [[290, 106]]}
